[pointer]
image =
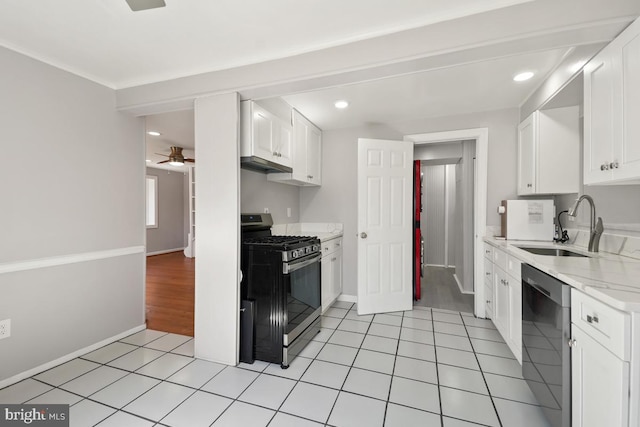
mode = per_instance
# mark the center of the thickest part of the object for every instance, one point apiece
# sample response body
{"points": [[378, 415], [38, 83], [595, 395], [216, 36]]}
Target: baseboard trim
{"points": [[166, 251], [347, 298], [31, 372], [460, 286], [11, 267]]}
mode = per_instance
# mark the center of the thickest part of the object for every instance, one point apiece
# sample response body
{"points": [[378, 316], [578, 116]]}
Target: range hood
{"points": [[258, 164]]}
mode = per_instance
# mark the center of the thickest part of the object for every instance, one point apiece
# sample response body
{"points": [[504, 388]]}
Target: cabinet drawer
{"points": [[514, 268], [330, 246], [488, 251], [488, 297], [488, 270], [500, 259], [608, 326]]}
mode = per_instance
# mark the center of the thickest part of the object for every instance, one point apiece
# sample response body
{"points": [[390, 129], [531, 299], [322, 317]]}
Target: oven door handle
{"points": [[289, 267]]}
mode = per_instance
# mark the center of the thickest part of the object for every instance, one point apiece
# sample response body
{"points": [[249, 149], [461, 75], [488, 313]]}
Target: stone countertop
{"points": [[612, 279], [323, 230]]}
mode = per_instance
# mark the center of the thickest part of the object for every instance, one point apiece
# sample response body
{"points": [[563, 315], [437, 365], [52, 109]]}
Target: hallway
{"points": [[440, 290]]}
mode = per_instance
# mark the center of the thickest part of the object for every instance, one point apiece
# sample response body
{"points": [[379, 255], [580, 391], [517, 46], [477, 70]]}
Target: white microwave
{"points": [[527, 219]]}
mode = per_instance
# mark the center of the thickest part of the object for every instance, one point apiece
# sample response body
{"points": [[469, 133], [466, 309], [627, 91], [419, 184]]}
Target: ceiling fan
{"points": [[175, 157]]}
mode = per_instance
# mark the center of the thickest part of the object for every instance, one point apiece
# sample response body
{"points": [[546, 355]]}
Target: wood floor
{"points": [[170, 293], [440, 290]]}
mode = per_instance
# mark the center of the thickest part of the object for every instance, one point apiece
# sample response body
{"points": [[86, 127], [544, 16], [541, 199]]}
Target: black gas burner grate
{"points": [[279, 240]]}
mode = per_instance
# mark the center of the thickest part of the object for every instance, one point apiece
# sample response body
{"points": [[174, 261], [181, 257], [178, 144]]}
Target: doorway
{"points": [[170, 262], [447, 210], [474, 231]]}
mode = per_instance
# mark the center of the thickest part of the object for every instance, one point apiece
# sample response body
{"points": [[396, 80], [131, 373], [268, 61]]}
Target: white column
{"points": [[217, 283]]}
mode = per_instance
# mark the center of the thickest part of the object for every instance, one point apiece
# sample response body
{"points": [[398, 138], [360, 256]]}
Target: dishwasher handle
{"points": [[542, 283]]}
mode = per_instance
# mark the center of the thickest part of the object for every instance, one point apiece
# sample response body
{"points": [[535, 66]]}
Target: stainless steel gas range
{"points": [[280, 291]]}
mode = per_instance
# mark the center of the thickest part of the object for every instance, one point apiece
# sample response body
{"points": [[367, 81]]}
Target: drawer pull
{"points": [[592, 319]]}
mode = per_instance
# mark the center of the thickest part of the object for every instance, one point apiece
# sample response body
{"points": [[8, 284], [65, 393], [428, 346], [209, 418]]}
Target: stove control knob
{"points": [[308, 249], [294, 254]]}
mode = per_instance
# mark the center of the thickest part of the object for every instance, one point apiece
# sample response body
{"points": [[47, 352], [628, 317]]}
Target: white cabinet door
{"points": [[600, 384], [501, 302], [326, 280], [314, 155], [527, 136], [599, 111], [283, 142], [336, 273], [515, 317], [626, 154], [262, 124], [299, 164]]}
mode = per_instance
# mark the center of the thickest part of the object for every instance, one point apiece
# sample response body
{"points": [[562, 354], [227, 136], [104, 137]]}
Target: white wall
{"points": [[76, 191], [256, 194], [170, 233], [336, 200]]}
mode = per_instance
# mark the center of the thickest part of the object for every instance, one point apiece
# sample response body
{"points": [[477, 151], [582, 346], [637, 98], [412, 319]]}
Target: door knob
{"points": [[363, 235]]}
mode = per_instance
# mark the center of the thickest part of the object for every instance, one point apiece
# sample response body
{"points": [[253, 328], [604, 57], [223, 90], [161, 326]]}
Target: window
{"points": [[152, 201]]}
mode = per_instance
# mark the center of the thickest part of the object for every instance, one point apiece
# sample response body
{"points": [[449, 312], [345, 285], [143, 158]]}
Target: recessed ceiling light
{"points": [[523, 76], [153, 133], [341, 104]]}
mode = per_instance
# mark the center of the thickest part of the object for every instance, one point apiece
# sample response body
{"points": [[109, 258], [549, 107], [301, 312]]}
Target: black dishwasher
{"points": [[546, 332]]}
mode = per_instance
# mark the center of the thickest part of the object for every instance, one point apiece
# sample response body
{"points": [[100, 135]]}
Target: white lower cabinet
{"points": [[507, 300], [331, 271], [600, 384], [600, 363]]}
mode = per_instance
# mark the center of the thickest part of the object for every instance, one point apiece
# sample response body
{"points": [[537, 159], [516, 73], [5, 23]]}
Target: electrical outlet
{"points": [[5, 328], [288, 212], [266, 210]]}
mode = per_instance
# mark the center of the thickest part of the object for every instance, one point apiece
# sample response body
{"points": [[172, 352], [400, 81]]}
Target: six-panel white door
{"points": [[385, 191]]}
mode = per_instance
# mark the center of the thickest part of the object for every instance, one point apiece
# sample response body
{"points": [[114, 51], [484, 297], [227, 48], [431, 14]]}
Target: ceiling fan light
{"points": [[154, 133]]}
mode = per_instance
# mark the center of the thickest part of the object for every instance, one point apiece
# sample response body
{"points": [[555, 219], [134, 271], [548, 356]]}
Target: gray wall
{"points": [[256, 194], [336, 200], [78, 187], [170, 233]]}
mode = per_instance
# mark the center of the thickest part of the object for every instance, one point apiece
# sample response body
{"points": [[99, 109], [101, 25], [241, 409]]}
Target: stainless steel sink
{"points": [[551, 251]]}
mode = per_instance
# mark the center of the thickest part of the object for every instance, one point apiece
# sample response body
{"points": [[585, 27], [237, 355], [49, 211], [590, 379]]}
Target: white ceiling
{"points": [[105, 41], [469, 88]]}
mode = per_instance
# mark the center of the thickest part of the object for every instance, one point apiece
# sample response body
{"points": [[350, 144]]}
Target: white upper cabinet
{"points": [[548, 152], [611, 111], [307, 155], [265, 135]]}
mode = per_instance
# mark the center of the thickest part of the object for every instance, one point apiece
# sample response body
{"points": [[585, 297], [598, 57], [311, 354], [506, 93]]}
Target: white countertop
{"points": [[612, 279], [323, 230]]}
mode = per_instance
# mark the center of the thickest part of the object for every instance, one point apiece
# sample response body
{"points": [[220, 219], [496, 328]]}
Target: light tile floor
{"points": [[425, 367]]}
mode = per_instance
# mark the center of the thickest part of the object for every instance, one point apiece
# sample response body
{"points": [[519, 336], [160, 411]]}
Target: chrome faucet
{"points": [[596, 228]]}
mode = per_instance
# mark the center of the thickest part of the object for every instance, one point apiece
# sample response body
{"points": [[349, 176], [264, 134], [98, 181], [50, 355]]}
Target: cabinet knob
{"points": [[571, 343], [487, 274], [363, 235], [488, 301], [613, 165], [487, 252], [604, 167], [529, 185], [592, 319]]}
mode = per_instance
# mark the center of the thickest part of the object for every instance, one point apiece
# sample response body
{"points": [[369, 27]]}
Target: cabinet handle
{"points": [[613, 165], [592, 319], [604, 167], [487, 274], [571, 343], [529, 185], [488, 301], [487, 252]]}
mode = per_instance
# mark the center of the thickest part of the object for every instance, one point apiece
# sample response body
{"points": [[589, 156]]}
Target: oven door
{"points": [[302, 285]]}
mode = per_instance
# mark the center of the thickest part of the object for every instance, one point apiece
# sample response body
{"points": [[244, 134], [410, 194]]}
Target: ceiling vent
{"points": [[137, 5]]}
